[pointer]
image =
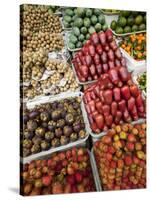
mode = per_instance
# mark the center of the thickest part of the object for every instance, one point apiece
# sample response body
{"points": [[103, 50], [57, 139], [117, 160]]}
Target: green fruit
{"points": [[91, 30], [87, 22], [122, 21], [79, 44], [78, 22], [69, 12], [67, 18], [76, 31], [71, 45], [94, 19], [73, 39], [125, 13], [119, 30], [130, 20], [98, 27], [80, 12], [135, 13], [127, 29], [144, 19], [66, 24], [81, 37], [84, 30], [88, 12], [87, 36], [139, 20], [134, 28], [97, 12], [142, 27], [101, 19], [105, 27], [113, 25]]}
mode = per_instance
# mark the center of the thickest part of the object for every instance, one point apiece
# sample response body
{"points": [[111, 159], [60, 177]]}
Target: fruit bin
{"points": [[94, 161], [43, 100], [67, 34], [82, 161]]}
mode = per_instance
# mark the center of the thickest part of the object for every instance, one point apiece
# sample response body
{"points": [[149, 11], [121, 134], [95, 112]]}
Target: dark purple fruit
{"points": [[67, 130], [82, 134], [64, 140], [36, 140], [60, 105], [77, 127], [33, 114], [58, 132], [69, 119], [44, 124], [44, 116], [25, 119], [73, 137], [35, 148], [54, 105], [40, 132], [75, 105], [31, 125], [55, 142], [27, 143], [56, 115], [28, 135], [26, 152], [49, 136], [45, 145], [51, 125], [63, 114], [61, 123]]}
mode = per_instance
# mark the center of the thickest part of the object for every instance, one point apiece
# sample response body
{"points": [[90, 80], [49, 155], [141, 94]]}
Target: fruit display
{"points": [[135, 46], [64, 172], [50, 125], [85, 22], [121, 157], [141, 80], [114, 99], [99, 54], [129, 21]]}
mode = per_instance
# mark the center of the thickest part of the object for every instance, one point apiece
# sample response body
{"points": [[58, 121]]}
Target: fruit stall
{"points": [[82, 100]]}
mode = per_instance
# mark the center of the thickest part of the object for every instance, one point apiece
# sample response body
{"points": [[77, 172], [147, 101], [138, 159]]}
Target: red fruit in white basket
{"points": [[134, 90], [131, 137], [78, 177], [57, 188], [46, 180], [71, 179], [70, 170], [130, 146], [80, 152], [125, 92], [106, 139], [128, 160], [124, 74], [62, 156]]}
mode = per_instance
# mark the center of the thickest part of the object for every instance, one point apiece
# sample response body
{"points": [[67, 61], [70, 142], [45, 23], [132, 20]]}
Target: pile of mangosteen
{"points": [[51, 125]]}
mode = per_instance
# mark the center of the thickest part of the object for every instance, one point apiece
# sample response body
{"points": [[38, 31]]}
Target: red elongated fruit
{"points": [[102, 38], [134, 90], [85, 50], [123, 62], [92, 70], [111, 64], [125, 92], [94, 114], [105, 67], [95, 128], [91, 120], [83, 61], [99, 121], [81, 78], [118, 117], [109, 120], [124, 74], [97, 90], [118, 53], [117, 63], [101, 96], [109, 35], [108, 96], [141, 109], [99, 107], [106, 110], [88, 60], [114, 76], [122, 105], [99, 69], [126, 116], [87, 96], [131, 103], [96, 59], [94, 38], [91, 50], [93, 96], [114, 107], [139, 100], [87, 108], [106, 48], [134, 113], [84, 71], [104, 57], [117, 94], [113, 45], [95, 77], [110, 54], [92, 105], [99, 49]]}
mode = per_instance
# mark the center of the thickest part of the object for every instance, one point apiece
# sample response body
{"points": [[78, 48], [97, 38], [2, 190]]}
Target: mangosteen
{"points": [[67, 130], [61, 123], [77, 127], [35, 148], [31, 125], [73, 137], [45, 145], [54, 105], [49, 136], [64, 140], [82, 134], [25, 118], [40, 132], [44, 124], [27, 143], [44, 116], [55, 142], [51, 125], [63, 113], [58, 132], [33, 114], [75, 105], [28, 134], [26, 152], [60, 105], [36, 140], [56, 115], [69, 119]]}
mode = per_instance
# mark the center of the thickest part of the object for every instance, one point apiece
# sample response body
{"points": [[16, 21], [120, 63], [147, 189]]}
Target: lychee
{"points": [[57, 188], [128, 160], [131, 138], [130, 146], [46, 180], [71, 179], [78, 177]]}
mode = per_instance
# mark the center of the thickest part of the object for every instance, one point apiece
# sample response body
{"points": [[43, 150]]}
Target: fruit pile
{"points": [[112, 100], [135, 46], [99, 54], [51, 125], [129, 21], [64, 172], [121, 157], [141, 79]]}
